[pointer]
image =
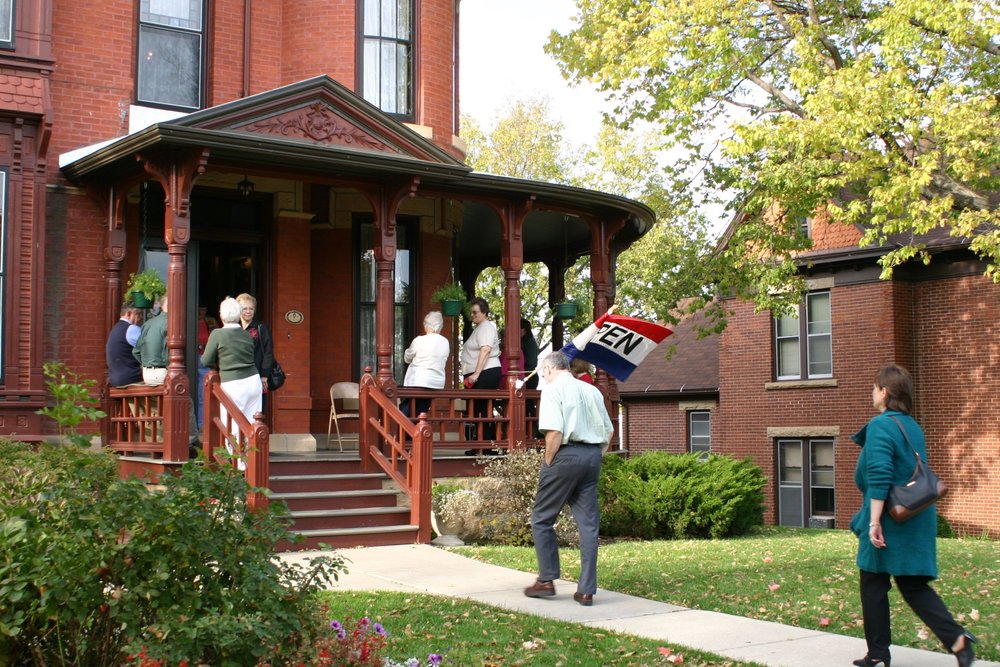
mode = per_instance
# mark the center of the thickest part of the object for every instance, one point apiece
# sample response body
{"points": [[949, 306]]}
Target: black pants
{"points": [[923, 600], [489, 378]]}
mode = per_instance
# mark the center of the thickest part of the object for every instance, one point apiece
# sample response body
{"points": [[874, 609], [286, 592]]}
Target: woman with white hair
{"points": [[427, 357], [231, 350]]}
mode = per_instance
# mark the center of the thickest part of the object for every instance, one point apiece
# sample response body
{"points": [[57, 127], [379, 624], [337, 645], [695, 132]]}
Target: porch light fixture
{"points": [[245, 187]]}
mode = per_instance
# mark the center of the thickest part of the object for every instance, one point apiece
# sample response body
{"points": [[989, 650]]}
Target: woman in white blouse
{"points": [[427, 357], [481, 360]]}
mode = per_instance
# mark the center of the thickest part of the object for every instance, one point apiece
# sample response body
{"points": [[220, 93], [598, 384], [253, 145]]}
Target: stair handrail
{"points": [[250, 442], [399, 447]]}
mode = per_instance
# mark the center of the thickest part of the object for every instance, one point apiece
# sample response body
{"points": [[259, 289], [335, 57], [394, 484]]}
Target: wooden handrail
{"points": [[134, 424], [250, 442]]}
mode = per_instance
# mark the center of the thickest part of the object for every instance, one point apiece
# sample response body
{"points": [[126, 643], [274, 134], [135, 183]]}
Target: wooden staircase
{"points": [[332, 502]]}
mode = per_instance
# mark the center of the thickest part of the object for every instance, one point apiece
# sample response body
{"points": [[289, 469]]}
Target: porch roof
{"points": [[319, 129]]}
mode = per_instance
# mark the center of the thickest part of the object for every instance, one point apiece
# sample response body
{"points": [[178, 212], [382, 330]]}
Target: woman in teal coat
{"points": [[905, 551]]}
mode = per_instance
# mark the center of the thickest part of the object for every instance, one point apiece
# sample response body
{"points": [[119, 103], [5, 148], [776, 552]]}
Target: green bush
{"points": [[944, 529], [93, 568], [668, 496]]}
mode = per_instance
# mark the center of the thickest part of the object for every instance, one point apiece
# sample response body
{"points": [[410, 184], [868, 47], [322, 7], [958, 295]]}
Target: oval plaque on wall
{"points": [[294, 317]]}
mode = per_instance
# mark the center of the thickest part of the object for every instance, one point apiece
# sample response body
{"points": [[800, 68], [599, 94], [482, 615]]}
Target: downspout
{"points": [[246, 48]]}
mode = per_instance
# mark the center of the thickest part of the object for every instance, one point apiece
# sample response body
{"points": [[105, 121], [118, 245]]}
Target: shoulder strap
{"points": [[905, 435]]}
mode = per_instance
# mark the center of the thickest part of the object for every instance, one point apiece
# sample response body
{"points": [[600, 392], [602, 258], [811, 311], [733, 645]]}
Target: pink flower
{"points": [[774, 587], [664, 651], [824, 621]]}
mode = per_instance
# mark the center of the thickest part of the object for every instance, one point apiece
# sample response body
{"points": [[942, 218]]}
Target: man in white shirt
{"points": [[577, 430]]}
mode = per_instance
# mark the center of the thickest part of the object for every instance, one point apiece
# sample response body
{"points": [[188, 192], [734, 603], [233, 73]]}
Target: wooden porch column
{"points": [[177, 174], [114, 252], [512, 218], [385, 201], [602, 232]]}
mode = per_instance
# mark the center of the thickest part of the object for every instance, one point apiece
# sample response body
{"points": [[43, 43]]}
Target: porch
{"points": [[373, 491]]}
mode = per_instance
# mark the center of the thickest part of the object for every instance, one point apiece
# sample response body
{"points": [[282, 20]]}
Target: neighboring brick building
{"points": [[792, 406], [306, 152]]}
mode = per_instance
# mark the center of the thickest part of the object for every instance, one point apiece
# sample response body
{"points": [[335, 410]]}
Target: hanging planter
{"points": [[566, 310], [144, 288], [451, 307], [451, 297], [139, 300]]}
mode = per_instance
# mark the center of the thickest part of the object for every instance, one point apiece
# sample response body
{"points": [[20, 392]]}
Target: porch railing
{"points": [[403, 448], [135, 425], [247, 444]]}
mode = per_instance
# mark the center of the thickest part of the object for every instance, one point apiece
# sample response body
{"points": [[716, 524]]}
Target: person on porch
{"points": [[231, 350], [481, 364], [427, 356], [263, 343], [151, 348], [123, 367]]}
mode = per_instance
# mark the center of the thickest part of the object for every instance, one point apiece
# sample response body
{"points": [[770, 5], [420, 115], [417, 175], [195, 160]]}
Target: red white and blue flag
{"points": [[616, 343]]}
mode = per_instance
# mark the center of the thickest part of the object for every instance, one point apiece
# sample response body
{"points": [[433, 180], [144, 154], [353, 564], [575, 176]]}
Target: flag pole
{"points": [[520, 383]]}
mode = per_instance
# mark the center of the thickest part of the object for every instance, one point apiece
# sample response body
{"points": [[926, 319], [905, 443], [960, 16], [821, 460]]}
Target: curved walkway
{"points": [[428, 569]]}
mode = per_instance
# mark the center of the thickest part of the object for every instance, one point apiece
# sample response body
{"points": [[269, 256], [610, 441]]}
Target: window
{"points": [[171, 53], [805, 226], [700, 431], [812, 324], [6, 24], [805, 481], [3, 268], [387, 56], [367, 290]]}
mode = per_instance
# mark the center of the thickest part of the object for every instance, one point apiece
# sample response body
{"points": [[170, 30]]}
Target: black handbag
{"points": [[924, 488], [276, 378]]}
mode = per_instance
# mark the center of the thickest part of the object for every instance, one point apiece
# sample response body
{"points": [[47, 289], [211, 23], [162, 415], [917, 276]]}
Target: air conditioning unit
{"points": [[821, 522]]}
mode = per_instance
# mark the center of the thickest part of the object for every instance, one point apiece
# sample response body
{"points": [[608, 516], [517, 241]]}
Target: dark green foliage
{"points": [[943, 527], [93, 568], [670, 496], [73, 401]]}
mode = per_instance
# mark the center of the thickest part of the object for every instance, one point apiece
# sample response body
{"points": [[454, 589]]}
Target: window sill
{"points": [[801, 384]]}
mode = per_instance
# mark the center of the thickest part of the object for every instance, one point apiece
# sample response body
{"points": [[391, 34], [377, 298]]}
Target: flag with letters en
{"points": [[616, 343]]}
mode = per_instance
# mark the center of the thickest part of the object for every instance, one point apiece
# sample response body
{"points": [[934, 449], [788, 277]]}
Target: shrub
{"points": [[506, 493], [660, 495], [944, 529], [73, 401], [93, 568]]}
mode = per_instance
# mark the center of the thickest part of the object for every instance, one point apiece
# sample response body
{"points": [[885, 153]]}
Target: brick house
{"points": [[305, 152], [791, 392]]}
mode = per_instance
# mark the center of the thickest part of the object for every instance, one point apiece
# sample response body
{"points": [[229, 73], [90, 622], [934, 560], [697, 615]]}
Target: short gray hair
{"points": [[433, 321], [557, 361], [229, 310]]}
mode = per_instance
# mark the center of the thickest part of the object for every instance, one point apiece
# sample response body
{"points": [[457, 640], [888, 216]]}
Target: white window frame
{"points": [[7, 25], [381, 49], [164, 26], [814, 332], [699, 444]]}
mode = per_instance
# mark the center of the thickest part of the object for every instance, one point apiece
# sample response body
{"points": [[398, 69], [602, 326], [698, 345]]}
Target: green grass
{"points": [[469, 634], [806, 578]]}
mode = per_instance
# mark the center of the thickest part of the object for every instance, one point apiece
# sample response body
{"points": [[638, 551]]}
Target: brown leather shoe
{"points": [[540, 589], [584, 599]]}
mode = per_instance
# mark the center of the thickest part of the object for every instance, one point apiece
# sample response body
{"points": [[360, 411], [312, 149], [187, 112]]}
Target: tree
{"points": [[883, 112]]}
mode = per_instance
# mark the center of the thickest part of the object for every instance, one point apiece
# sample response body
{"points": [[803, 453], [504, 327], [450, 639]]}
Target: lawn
{"points": [[468, 634], [806, 578]]}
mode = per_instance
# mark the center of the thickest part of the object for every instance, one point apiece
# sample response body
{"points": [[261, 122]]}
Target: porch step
{"points": [[360, 517], [353, 537], [325, 482], [342, 499]]}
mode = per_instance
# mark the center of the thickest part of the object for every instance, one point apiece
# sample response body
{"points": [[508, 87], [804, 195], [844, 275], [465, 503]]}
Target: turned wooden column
{"points": [[177, 174]]}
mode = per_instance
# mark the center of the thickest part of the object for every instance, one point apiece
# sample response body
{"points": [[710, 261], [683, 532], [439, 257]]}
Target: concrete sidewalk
{"points": [[429, 569]]}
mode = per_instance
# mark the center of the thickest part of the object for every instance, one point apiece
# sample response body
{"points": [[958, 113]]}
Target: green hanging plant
{"points": [[452, 298], [148, 284]]}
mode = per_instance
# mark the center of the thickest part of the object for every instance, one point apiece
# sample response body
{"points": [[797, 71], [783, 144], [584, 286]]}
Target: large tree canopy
{"points": [[884, 112]]}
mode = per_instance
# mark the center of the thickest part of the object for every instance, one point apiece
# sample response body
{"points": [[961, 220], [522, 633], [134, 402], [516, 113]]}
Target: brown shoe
{"points": [[540, 589], [584, 599]]}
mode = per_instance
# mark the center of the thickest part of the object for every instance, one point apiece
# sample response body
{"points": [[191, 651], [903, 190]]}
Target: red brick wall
{"points": [[943, 331], [957, 374], [319, 37], [659, 426]]}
